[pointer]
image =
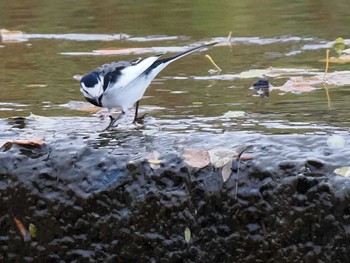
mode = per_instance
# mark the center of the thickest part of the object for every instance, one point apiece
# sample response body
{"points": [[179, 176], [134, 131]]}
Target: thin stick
{"points": [[212, 61], [328, 96], [327, 65], [237, 174], [229, 36]]}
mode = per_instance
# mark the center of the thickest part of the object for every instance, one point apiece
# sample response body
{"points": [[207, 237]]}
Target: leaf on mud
{"points": [[149, 132], [80, 106], [298, 84], [32, 230], [339, 60], [31, 143], [196, 158], [77, 77], [254, 73], [221, 156], [336, 141], [187, 234], [226, 171], [234, 114], [22, 230], [343, 171], [153, 159], [41, 119], [11, 36]]}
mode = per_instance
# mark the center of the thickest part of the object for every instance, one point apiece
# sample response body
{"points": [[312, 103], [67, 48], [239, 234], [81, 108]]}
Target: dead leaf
{"points": [[81, 106], [196, 158], [343, 171], [339, 60], [22, 230], [11, 36], [31, 143], [153, 159], [221, 156], [226, 171]]}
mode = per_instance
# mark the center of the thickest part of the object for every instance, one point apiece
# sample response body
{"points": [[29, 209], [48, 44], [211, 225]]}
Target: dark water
{"points": [[37, 72]]}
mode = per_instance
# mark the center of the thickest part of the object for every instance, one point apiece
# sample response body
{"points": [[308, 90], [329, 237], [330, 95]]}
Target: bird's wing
{"points": [[119, 74]]}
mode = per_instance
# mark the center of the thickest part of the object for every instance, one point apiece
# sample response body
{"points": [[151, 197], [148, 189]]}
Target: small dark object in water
{"points": [[262, 87]]}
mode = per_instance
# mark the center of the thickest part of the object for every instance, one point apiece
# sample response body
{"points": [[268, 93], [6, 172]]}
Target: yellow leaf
{"points": [[343, 171], [32, 230]]}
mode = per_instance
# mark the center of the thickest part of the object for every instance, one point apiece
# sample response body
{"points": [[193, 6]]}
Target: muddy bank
{"points": [[101, 198]]}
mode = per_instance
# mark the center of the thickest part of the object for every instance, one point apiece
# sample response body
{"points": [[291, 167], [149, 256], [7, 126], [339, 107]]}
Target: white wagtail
{"points": [[122, 84]]}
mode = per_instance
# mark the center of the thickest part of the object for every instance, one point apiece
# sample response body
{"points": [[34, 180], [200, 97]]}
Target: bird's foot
{"points": [[111, 123], [139, 120]]}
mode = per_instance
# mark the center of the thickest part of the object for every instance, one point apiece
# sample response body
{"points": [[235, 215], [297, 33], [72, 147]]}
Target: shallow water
{"points": [[38, 64]]}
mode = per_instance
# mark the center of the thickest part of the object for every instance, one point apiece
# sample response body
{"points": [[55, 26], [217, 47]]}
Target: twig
{"points": [[238, 166], [328, 96], [229, 37], [212, 61], [327, 65]]}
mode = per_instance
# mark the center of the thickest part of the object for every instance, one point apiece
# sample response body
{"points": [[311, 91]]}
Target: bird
{"points": [[122, 84], [262, 87]]}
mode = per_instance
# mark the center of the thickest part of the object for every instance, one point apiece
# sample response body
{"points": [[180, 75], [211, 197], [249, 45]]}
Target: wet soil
{"points": [[98, 198]]}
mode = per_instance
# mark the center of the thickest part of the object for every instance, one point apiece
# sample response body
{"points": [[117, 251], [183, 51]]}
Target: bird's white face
{"points": [[91, 85]]}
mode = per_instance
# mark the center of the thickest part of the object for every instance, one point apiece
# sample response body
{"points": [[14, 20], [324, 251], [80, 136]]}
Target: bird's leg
{"points": [[114, 120], [138, 119]]}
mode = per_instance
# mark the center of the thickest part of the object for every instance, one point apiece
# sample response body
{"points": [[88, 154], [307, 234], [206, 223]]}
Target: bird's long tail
{"points": [[162, 63]]}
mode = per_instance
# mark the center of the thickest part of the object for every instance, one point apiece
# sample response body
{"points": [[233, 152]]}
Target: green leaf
{"points": [[32, 230], [187, 235]]}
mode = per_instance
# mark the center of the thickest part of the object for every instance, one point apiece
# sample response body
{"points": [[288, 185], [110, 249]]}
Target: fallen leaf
{"points": [[254, 73], [41, 119], [32, 230], [149, 132], [234, 114], [343, 171], [31, 143], [22, 230], [77, 77], [226, 171], [336, 141], [11, 36], [221, 156], [81, 106], [196, 158], [187, 234], [153, 160]]}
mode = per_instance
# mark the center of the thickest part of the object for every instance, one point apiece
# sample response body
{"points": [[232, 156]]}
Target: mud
{"points": [[100, 199]]}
